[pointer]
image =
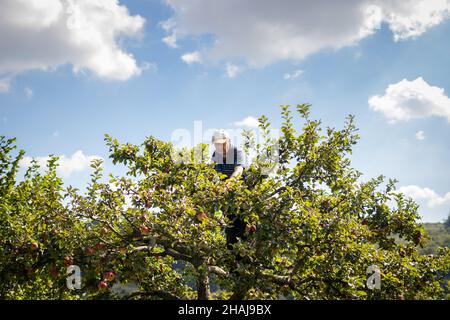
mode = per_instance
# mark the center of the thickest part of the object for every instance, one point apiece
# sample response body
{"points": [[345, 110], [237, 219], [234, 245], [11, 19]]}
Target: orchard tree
{"points": [[314, 227]]}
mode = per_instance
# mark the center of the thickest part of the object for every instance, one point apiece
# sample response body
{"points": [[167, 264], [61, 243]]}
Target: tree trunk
{"points": [[203, 290], [240, 291]]}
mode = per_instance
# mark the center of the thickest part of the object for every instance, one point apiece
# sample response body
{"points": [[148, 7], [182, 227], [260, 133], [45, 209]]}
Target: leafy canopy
{"points": [[160, 226]]}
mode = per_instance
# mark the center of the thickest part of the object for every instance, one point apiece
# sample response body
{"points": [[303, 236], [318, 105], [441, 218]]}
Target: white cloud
{"points": [[434, 207], [263, 32], [249, 122], [28, 92], [171, 41], [67, 165], [420, 135], [5, 85], [192, 57], [232, 70], [412, 22], [293, 75], [433, 199], [407, 100], [46, 34]]}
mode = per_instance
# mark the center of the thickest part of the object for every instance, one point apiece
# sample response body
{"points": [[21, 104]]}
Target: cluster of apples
{"points": [[98, 247], [53, 270], [107, 277]]}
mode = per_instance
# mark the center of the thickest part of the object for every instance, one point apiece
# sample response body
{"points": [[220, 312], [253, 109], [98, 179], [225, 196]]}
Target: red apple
{"points": [[201, 216], [68, 261], [54, 272], [100, 246], [104, 230], [251, 228], [145, 230], [102, 285], [34, 245], [109, 276]]}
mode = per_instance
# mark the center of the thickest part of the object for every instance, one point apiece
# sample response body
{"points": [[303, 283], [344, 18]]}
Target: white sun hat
{"points": [[220, 136]]}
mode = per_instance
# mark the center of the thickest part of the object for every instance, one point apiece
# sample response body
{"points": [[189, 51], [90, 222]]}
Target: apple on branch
{"points": [[102, 285], [67, 261], [251, 228], [145, 230], [53, 272], [201, 216], [100, 246], [109, 276]]}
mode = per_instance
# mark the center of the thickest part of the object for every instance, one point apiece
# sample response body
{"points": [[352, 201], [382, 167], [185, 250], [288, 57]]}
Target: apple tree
{"points": [[314, 226]]}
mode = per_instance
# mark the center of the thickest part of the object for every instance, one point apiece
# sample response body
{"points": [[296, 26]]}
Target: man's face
{"points": [[222, 148]]}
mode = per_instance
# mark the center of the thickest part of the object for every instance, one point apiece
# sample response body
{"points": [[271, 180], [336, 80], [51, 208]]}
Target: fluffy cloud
{"points": [[434, 207], [67, 165], [433, 199], [412, 22], [249, 122], [407, 100], [192, 57], [171, 41], [232, 70], [46, 34], [263, 32], [420, 135]]}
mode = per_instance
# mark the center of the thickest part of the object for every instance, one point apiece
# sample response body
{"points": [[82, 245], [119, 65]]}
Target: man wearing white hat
{"points": [[229, 160]]}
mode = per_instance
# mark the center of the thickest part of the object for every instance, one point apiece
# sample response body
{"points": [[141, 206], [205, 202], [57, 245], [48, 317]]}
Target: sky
{"points": [[71, 71]]}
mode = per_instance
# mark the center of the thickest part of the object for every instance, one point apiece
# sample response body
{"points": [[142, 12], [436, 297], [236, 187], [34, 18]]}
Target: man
{"points": [[229, 160]]}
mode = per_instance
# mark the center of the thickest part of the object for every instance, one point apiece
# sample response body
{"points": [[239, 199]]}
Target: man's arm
{"points": [[239, 169], [237, 172]]}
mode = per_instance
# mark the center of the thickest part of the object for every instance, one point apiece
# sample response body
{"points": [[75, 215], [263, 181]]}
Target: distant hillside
{"points": [[439, 237]]}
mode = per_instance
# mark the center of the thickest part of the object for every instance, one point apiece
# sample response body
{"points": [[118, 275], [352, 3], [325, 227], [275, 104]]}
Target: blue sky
{"points": [[57, 100]]}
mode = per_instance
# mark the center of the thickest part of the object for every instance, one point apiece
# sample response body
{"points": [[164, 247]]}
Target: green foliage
{"points": [[318, 226]]}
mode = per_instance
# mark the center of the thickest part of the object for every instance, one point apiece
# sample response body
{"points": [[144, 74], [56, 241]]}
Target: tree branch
{"points": [[167, 252], [166, 295], [217, 270]]}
